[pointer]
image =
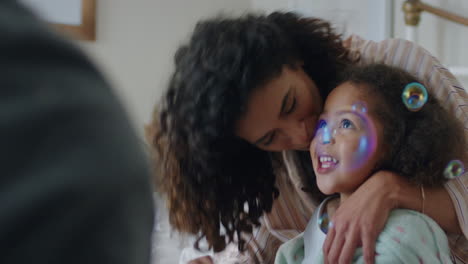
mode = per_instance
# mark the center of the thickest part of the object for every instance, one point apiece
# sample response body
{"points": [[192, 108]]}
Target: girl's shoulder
{"points": [[409, 237], [410, 233], [404, 222]]}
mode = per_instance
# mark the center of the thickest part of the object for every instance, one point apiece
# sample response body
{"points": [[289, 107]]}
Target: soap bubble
{"points": [[324, 223], [414, 96], [454, 169], [368, 140]]}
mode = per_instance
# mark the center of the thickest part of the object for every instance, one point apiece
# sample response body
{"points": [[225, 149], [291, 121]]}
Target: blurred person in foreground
{"points": [[75, 184]]}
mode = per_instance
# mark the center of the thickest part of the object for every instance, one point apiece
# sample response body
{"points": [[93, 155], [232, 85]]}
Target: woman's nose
{"points": [[299, 133]]}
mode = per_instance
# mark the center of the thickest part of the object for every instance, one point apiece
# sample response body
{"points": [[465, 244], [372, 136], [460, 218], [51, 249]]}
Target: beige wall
{"points": [[136, 40], [370, 19]]}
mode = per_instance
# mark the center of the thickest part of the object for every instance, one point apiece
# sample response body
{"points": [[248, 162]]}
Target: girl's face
{"points": [[282, 114], [347, 146]]}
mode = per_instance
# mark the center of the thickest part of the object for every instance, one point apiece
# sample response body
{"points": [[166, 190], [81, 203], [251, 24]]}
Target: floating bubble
{"points": [[367, 141], [454, 169], [363, 150], [414, 96], [324, 223], [359, 107]]}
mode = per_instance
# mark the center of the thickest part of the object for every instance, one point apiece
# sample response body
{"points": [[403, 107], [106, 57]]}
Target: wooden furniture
{"points": [[413, 10], [87, 29]]}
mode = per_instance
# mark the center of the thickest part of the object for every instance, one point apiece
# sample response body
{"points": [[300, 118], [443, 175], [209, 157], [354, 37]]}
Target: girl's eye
{"points": [[321, 124], [346, 123]]}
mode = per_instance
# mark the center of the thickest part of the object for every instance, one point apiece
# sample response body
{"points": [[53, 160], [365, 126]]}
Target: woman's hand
{"points": [[360, 219], [202, 260]]}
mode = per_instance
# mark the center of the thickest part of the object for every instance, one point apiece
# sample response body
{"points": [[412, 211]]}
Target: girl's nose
{"points": [[327, 136]]}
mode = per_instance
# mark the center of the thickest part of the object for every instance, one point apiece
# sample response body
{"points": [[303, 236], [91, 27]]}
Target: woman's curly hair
{"points": [[211, 178], [420, 144]]}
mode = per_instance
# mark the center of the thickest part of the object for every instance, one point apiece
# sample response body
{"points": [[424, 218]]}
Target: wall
{"points": [[371, 19], [379, 19], [136, 41]]}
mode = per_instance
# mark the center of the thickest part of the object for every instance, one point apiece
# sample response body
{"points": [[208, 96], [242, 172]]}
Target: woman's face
{"points": [[348, 144], [282, 114]]}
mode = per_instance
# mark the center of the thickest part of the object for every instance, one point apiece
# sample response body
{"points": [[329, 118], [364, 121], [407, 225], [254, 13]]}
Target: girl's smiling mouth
{"points": [[326, 163]]}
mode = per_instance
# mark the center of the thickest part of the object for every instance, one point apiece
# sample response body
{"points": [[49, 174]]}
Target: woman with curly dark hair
{"points": [[231, 135], [391, 112]]}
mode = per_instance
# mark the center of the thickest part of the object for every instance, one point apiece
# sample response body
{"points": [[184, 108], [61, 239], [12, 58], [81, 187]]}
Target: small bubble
{"points": [[367, 140], [363, 150], [454, 169], [414, 96], [324, 223]]}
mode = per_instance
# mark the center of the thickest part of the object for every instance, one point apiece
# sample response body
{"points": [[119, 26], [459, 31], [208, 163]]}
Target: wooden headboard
{"points": [[412, 13]]}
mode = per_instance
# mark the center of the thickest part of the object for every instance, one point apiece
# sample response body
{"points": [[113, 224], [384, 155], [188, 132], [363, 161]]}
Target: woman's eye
{"points": [[292, 107], [346, 123], [270, 139]]}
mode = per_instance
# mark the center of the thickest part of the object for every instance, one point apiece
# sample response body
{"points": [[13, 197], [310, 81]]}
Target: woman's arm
{"points": [[360, 219]]}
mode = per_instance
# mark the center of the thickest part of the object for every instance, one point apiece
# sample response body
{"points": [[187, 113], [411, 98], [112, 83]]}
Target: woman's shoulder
{"points": [[356, 42], [391, 51]]}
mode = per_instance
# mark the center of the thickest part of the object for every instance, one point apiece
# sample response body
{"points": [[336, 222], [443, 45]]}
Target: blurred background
{"points": [[135, 42]]}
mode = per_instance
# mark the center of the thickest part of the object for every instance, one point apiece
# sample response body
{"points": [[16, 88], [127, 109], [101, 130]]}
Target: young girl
{"points": [[368, 125]]}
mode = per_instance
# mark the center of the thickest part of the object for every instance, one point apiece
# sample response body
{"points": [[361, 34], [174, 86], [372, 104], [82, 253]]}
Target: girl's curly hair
{"points": [[210, 177], [420, 144]]}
